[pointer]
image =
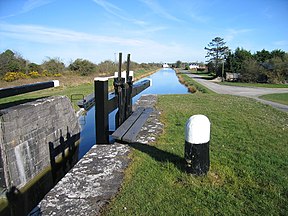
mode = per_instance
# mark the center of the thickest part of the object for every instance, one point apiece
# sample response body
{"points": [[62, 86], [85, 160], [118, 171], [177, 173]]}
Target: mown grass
{"points": [[261, 85], [278, 98], [249, 162]]}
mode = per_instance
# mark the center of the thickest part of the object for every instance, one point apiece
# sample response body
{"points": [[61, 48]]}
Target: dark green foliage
{"points": [[252, 71], [107, 67], [34, 67], [82, 66], [178, 64], [11, 62], [53, 65], [262, 56], [263, 66]]}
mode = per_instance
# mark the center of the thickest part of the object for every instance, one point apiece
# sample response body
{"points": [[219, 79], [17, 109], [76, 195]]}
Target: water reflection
{"points": [[164, 81]]}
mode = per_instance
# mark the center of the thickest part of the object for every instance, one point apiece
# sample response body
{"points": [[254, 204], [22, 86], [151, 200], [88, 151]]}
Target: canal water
{"points": [[164, 81]]}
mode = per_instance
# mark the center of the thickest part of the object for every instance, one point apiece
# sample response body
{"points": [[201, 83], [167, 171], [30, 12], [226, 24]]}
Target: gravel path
{"points": [[251, 92]]}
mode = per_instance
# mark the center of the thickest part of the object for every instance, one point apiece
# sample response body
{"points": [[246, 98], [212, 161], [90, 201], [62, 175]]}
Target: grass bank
{"points": [[249, 162], [69, 86], [191, 84], [281, 98]]}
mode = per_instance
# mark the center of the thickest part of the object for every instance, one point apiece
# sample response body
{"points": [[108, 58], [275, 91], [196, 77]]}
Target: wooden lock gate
{"points": [[127, 124]]}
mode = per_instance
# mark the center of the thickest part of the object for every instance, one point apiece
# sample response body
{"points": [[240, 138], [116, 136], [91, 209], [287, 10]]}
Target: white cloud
{"points": [[159, 10], [32, 4], [233, 33], [281, 43], [54, 35], [36, 42], [118, 12]]}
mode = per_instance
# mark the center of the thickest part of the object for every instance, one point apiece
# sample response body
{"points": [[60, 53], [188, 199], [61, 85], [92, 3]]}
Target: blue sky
{"points": [[151, 30]]}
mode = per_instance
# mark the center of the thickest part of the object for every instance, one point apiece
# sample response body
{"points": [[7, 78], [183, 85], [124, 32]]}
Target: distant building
{"points": [[193, 66], [165, 65]]}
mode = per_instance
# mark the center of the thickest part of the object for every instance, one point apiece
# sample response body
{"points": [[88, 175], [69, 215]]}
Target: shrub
{"points": [[83, 67], [53, 65], [11, 76], [34, 74], [46, 73], [57, 75]]}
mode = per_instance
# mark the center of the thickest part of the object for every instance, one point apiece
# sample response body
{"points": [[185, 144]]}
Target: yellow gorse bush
{"points": [[34, 74], [11, 76]]}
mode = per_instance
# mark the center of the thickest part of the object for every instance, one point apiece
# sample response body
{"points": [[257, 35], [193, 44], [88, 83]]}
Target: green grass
{"points": [[262, 85], [278, 98], [249, 162]]}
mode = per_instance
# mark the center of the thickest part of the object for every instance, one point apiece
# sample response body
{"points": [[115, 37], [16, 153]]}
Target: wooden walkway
{"points": [[128, 131]]}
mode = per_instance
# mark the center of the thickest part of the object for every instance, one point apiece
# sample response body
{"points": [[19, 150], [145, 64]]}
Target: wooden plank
{"points": [[16, 90], [123, 128], [131, 134]]}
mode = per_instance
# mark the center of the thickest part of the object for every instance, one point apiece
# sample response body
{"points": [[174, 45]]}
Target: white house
{"points": [[193, 66], [165, 65]]}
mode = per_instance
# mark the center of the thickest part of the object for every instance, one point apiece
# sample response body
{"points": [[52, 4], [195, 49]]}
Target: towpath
{"points": [[251, 92]]}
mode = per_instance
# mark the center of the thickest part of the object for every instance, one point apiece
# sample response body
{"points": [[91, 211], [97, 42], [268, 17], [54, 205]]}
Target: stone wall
{"points": [[27, 130]]}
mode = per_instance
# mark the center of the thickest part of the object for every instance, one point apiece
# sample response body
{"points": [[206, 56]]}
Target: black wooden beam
{"points": [[8, 92], [89, 100]]}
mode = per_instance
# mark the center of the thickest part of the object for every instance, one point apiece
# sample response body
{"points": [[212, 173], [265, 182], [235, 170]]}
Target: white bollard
{"points": [[197, 138]]}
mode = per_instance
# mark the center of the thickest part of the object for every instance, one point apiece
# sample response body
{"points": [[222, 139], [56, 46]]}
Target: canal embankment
{"points": [[89, 186]]}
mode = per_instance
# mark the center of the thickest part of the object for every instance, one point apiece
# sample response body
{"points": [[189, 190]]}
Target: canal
{"points": [[164, 81]]}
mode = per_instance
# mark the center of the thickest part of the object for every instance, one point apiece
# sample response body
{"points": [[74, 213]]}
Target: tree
{"points": [[216, 52], [178, 64], [263, 55], [53, 65], [252, 71], [11, 62], [240, 55], [106, 67], [278, 53], [82, 66], [277, 69]]}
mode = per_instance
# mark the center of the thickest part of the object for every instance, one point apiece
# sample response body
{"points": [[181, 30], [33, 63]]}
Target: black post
{"points": [[197, 140], [119, 85], [101, 110], [128, 89]]}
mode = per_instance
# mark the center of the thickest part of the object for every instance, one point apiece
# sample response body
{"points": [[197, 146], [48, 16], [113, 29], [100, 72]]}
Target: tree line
{"points": [[13, 66], [262, 66]]}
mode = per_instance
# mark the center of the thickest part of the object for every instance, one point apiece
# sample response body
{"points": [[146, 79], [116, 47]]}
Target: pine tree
{"points": [[216, 52]]}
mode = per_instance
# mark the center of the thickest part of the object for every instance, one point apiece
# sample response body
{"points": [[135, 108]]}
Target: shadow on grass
{"points": [[207, 77], [160, 155], [184, 72], [15, 103]]}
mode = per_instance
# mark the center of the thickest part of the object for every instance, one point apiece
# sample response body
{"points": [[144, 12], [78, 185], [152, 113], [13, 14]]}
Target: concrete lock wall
{"points": [[26, 131]]}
